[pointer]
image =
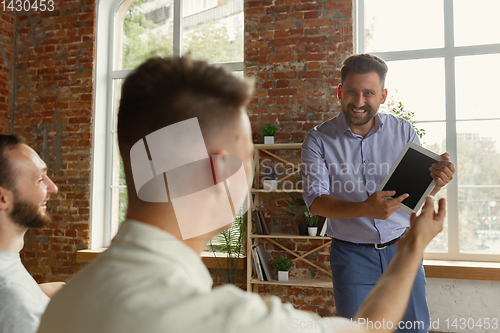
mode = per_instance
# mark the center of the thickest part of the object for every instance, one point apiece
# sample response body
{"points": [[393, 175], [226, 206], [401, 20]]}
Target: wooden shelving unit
{"points": [[253, 282]]}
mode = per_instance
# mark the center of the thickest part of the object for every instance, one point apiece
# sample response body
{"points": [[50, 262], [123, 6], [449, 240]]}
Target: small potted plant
{"points": [[297, 208], [282, 265], [270, 180], [268, 131], [313, 223]]}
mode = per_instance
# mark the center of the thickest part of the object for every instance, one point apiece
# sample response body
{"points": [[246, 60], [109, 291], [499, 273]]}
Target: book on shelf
{"points": [[265, 226], [257, 222], [256, 261], [322, 225], [264, 260]]}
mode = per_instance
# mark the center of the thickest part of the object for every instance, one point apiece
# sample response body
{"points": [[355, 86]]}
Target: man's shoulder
{"points": [[391, 119], [325, 129]]}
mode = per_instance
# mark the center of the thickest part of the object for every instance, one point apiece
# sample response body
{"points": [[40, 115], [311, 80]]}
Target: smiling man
{"points": [[25, 189], [346, 160]]}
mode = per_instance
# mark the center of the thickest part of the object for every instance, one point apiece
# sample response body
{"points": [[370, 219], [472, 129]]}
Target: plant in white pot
{"points": [[282, 265], [313, 223], [269, 131], [269, 179]]}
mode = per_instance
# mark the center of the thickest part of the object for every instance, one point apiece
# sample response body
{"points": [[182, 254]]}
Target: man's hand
{"points": [[443, 171], [427, 225], [379, 208]]}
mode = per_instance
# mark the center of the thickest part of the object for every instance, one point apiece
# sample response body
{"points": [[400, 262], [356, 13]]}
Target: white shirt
{"points": [[22, 302], [149, 281]]}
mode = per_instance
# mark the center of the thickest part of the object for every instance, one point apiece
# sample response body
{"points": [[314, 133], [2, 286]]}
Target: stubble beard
{"points": [[27, 215], [359, 122]]}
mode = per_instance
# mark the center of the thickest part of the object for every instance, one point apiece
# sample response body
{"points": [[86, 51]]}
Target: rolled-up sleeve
{"points": [[314, 170]]}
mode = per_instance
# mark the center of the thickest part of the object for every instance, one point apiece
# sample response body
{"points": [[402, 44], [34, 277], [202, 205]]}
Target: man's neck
{"points": [[11, 237], [163, 217], [364, 129]]}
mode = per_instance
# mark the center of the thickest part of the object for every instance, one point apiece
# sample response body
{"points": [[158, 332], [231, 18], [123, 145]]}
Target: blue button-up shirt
{"points": [[350, 167]]}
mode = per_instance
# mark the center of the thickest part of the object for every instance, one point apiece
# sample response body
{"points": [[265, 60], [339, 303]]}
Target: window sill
{"points": [[465, 270], [440, 269], [208, 258]]}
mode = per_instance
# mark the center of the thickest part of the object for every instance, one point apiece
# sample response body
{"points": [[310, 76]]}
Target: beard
{"points": [[370, 113], [27, 215]]}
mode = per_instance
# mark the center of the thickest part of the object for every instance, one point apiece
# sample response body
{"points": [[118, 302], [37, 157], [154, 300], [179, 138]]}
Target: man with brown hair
{"points": [[151, 279], [25, 189], [346, 159]]}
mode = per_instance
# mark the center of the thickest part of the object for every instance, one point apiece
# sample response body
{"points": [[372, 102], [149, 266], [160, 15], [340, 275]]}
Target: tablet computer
{"points": [[410, 174]]}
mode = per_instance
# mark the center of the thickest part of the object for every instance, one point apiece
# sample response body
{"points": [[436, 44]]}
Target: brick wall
{"points": [[53, 111], [295, 49], [7, 26]]}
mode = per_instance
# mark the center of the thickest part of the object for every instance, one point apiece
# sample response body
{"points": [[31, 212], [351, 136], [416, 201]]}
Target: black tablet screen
{"points": [[411, 176]]}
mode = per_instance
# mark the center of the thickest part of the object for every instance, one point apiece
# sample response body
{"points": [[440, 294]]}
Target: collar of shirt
{"points": [[343, 126], [138, 235]]}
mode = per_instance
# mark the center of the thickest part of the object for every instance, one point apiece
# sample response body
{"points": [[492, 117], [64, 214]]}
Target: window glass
{"points": [[478, 144], [434, 139], [147, 31], [419, 85], [395, 25], [215, 31], [476, 22], [476, 83]]}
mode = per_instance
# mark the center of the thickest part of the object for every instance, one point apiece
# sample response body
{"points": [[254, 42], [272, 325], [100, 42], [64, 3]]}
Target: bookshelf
{"points": [[253, 282]]}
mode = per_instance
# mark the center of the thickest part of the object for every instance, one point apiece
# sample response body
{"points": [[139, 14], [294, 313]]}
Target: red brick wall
{"points": [[295, 49], [7, 26], [53, 111]]}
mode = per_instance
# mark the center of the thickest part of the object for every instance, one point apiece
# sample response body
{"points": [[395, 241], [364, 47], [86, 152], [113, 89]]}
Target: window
{"points": [[129, 32], [443, 58]]}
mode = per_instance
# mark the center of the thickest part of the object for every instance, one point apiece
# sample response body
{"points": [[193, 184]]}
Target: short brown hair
{"points": [[165, 91], [362, 64], [7, 174]]}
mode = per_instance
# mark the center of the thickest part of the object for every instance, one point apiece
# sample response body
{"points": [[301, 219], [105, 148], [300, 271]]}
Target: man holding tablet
{"points": [[344, 161]]}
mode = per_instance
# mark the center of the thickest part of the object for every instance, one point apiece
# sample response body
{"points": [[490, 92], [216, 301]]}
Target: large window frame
{"points": [[109, 22], [449, 52]]}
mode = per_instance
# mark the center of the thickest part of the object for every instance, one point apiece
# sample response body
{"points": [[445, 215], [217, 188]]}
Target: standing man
{"points": [[346, 159], [25, 189]]}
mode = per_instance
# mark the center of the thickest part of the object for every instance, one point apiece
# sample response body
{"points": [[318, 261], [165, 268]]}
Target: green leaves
{"points": [[407, 115], [268, 130], [283, 264]]}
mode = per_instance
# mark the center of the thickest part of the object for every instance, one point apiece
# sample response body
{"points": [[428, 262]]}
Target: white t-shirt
{"points": [[149, 281], [22, 302]]}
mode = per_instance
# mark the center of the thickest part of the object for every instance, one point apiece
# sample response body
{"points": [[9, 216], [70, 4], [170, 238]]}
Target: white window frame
{"points": [[110, 15], [449, 52]]}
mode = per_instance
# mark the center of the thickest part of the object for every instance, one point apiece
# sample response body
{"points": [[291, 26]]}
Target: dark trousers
{"points": [[356, 269]]}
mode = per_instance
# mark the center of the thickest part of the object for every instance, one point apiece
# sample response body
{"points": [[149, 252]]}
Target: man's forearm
{"points": [[389, 299], [331, 207]]}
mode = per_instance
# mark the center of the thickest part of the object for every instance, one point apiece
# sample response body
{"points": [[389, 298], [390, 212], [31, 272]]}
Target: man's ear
{"points": [[384, 96], [6, 197], [219, 165], [339, 91]]}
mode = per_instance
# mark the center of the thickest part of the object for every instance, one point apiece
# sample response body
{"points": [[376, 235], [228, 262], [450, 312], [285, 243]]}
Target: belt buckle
{"points": [[379, 247]]}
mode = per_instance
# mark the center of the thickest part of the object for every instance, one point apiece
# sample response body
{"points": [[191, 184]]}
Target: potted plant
{"points": [[313, 223], [299, 208], [269, 179], [268, 131], [282, 265]]}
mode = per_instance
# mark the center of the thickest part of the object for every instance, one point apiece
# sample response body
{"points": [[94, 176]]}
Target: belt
{"points": [[377, 246]]}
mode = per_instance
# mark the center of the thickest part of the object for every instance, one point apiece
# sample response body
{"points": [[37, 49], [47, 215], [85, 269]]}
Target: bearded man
{"points": [[25, 189]]}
